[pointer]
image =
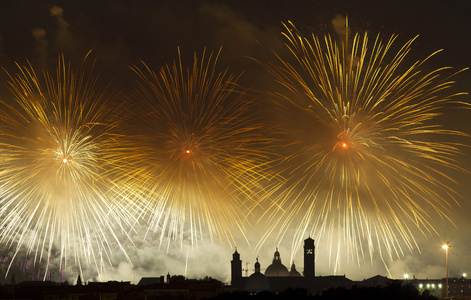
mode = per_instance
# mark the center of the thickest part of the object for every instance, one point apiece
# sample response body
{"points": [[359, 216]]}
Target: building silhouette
{"points": [[309, 262], [457, 286], [277, 278]]}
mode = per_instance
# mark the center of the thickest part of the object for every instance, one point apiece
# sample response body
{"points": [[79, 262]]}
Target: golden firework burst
{"points": [[368, 157], [55, 167]]}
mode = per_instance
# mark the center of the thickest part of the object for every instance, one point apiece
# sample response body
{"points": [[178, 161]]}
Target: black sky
{"points": [[123, 32]]}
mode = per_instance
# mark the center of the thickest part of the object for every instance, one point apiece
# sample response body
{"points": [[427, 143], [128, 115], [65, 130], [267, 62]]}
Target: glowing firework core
{"points": [[64, 160], [344, 145]]}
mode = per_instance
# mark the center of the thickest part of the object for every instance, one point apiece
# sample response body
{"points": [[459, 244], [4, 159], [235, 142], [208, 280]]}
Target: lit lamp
{"points": [[406, 276], [446, 246]]}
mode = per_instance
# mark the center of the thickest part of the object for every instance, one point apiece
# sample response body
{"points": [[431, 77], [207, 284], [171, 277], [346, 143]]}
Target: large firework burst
{"points": [[55, 168], [197, 151], [368, 158]]}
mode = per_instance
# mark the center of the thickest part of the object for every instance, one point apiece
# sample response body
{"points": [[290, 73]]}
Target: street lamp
{"points": [[406, 276], [446, 246], [463, 286]]}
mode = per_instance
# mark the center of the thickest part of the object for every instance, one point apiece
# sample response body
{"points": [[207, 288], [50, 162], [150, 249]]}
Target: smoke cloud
{"points": [[39, 35], [64, 40], [339, 24]]}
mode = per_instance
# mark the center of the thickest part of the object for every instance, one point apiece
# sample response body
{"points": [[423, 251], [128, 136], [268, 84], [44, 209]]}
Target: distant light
{"points": [[433, 285], [406, 276], [421, 285], [187, 151], [65, 160], [464, 274], [440, 285], [344, 145], [428, 285], [445, 246]]}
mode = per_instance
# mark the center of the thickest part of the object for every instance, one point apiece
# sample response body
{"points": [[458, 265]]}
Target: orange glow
{"points": [[64, 160], [188, 151], [344, 145]]}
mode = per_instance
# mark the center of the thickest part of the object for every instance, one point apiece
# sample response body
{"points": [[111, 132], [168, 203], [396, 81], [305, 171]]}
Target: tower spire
{"points": [[236, 269], [79, 280]]}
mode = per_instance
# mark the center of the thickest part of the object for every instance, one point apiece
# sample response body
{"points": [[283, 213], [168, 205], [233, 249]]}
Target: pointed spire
{"points": [[257, 266], [79, 280], [276, 257], [236, 255]]}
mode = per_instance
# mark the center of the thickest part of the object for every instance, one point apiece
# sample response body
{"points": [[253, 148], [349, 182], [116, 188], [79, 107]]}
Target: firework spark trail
{"points": [[55, 146], [370, 167], [197, 153]]}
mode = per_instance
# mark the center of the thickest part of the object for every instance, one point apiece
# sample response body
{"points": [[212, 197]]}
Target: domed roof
{"points": [[293, 272], [276, 268], [257, 282]]}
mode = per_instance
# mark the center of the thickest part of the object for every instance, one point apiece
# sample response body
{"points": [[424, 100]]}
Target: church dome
{"points": [[293, 272], [276, 268], [257, 282]]}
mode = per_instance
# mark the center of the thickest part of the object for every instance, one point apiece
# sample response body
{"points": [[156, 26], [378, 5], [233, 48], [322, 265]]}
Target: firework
{"points": [[197, 151], [55, 172], [368, 160]]}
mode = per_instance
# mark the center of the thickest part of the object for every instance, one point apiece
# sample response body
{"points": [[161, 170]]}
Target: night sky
{"points": [[123, 33]]}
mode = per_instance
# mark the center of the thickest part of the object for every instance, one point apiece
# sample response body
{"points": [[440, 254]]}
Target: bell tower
{"points": [[236, 269], [309, 264]]}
